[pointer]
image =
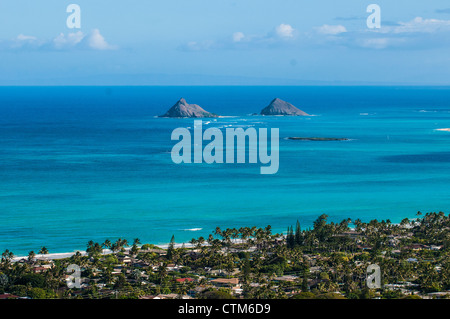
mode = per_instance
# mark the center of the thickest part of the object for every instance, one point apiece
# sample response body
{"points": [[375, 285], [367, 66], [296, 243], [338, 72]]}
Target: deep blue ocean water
{"points": [[90, 163]]}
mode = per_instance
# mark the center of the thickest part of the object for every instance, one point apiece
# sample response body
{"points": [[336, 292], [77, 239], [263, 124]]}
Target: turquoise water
{"points": [[90, 163]]}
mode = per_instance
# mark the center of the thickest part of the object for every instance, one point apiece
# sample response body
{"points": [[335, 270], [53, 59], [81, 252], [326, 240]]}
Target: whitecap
{"points": [[192, 229]]}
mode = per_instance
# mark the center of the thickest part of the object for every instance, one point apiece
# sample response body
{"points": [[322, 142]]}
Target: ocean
{"points": [[91, 163]]}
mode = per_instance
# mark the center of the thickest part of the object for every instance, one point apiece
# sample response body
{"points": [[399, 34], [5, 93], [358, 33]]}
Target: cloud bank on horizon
{"points": [[72, 40], [285, 39], [414, 33], [418, 33]]}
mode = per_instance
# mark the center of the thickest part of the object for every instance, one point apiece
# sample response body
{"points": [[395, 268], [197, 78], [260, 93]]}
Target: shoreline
{"points": [[63, 255], [56, 256]]}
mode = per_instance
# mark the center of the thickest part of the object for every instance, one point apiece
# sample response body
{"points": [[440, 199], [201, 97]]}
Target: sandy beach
{"points": [[55, 256]]}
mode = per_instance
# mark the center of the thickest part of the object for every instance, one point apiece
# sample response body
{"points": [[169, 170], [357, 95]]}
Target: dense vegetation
{"points": [[329, 260]]}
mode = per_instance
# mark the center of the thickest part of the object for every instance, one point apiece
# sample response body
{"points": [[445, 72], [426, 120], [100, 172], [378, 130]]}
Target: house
{"points": [[184, 280], [224, 282], [172, 296], [116, 271], [215, 272], [125, 259], [237, 290], [39, 269], [287, 278], [351, 234], [315, 269], [393, 242], [173, 267], [416, 247], [166, 296]]}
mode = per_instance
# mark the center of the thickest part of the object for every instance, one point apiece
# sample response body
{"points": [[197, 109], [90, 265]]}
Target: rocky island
{"points": [[280, 107], [184, 109]]}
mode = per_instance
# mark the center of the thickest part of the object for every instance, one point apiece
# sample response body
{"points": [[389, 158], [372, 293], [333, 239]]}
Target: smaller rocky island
{"points": [[182, 109], [280, 107], [317, 139]]}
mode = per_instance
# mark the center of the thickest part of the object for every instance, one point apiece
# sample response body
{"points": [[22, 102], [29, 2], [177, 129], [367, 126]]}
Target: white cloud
{"points": [[63, 41], [238, 40], [375, 43], [331, 29], [200, 46], [416, 25], [97, 42], [422, 25], [74, 40], [24, 41], [419, 33], [22, 37], [284, 31], [238, 36]]}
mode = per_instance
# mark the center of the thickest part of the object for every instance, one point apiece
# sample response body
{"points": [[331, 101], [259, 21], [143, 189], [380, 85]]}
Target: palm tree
{"points": [[43, 251], [119, 245], [162, 272], [193, 242], [107, 275], [90, 244], [171, 248], [7, 256], [218, 231], [31, 256], [234, 233], [226, 235], [268, 231], [134, 250], [115, 247], [107, 244], [200, 242], [125, 243]]}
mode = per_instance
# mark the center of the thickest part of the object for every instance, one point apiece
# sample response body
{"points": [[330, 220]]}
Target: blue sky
{"points": [[224, 42]]}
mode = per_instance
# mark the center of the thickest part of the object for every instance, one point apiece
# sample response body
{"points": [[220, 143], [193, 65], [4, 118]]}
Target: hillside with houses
{"points": [[326, 261]]}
